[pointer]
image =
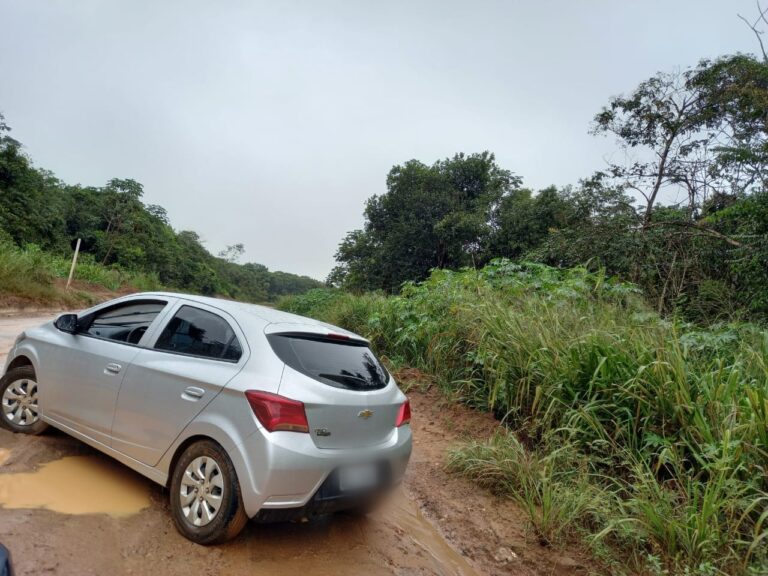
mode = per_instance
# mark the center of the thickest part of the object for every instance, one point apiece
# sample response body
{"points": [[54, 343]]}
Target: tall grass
{"points": [[31, 275], [24, 274], [646, 437]]}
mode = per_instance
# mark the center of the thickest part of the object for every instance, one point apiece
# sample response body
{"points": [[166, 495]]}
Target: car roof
{"points": [[264, 313]]}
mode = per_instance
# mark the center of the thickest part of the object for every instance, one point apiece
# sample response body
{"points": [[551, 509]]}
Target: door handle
{"points": [[193, 393], [112, 368]]}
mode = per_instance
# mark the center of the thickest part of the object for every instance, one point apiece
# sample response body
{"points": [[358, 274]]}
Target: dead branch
{"points": [[700, 229], [753, 27]]}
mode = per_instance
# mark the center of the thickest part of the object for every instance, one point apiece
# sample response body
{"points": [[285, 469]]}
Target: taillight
{"points": [[278, 412], [403, 414]]}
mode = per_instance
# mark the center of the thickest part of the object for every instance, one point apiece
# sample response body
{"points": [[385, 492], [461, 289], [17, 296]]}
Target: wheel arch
{"points": [[19, 361], [230, 441], [24, 354], [186, 443]]}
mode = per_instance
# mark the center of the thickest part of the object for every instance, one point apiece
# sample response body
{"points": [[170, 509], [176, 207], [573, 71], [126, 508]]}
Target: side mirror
{"points": [[67, 323]]}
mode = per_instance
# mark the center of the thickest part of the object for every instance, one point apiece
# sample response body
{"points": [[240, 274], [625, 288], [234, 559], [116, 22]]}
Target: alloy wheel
{"points": [[20, 402], [201, 491]]}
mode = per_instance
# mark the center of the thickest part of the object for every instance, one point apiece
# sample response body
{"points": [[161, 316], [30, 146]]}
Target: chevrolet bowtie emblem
{"points": [[365, 414]]}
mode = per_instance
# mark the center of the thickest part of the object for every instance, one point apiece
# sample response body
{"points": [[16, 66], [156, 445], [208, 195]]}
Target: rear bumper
{"points": [[285, 471], [330, 498]]}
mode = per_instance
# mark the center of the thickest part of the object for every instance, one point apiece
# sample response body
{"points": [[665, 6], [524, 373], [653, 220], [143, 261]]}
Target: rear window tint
{"points": [[336, 363]]}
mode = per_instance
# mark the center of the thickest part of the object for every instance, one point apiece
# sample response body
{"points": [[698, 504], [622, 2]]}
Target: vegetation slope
{"points": [[645, 437]]}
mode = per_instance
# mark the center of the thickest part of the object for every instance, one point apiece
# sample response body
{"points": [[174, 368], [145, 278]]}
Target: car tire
{"points": [[19, 410], [203, 472]]}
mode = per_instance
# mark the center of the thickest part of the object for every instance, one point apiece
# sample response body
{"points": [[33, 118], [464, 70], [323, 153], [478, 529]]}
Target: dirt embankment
{"points": [[56, 297], [437, 523], [491, 531]]}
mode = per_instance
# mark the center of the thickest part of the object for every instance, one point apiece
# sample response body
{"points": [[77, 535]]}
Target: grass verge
{"points": [[31, 277]]}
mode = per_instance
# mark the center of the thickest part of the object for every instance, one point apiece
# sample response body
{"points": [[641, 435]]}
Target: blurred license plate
{"points": [[359, 477]]}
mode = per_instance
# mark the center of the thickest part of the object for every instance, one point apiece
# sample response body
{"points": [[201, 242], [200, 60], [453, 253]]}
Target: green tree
{"points": [[358, 263], [122, 206], [31, 205], [524, 220], [597, 226], [437, 216], [734, 95], [658, 128]]}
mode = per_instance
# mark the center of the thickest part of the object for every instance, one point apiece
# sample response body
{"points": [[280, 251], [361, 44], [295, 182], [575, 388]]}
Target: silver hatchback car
{"points": [[242, 411]]}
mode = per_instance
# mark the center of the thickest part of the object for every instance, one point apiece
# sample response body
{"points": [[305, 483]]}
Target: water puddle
{"points": [[76, 485]]}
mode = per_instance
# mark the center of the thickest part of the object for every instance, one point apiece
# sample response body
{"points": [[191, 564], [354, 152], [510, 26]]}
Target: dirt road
{"points": [[67, 509]]}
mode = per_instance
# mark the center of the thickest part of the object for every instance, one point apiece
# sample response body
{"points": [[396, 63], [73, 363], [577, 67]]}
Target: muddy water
{"points": [[76, 485], [410, 523]]}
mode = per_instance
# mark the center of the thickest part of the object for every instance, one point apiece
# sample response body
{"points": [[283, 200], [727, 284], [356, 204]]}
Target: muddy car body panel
{"points": [[145, 375]]}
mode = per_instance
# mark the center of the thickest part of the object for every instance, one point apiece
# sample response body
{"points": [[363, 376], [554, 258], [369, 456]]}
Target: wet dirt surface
{"points": [[127, 529], [67, 509]]}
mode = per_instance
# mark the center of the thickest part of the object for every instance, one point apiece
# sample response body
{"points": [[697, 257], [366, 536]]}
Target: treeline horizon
{"points": [[119, 231], [698, 136]]}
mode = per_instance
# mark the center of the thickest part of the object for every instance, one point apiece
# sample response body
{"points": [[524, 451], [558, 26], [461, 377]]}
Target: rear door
{"points": [[87, 370], [349, 398], [194, 355]]}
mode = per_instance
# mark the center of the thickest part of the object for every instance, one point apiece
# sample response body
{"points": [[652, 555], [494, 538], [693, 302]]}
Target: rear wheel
{"points": [[206, 503], [18, 401]]}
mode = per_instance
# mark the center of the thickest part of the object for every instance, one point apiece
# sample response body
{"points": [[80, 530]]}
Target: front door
{"points": [[86, 374]]}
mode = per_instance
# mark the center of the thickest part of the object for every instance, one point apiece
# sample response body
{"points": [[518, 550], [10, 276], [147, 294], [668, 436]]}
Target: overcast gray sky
{"points": [[271, 123]]}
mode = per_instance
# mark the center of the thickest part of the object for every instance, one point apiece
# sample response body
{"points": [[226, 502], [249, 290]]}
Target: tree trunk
{"points": [[651, 200]]}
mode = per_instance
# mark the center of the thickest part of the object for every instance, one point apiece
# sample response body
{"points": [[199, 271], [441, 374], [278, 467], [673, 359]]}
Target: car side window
{"points": [[200, 333], [125, 322]]}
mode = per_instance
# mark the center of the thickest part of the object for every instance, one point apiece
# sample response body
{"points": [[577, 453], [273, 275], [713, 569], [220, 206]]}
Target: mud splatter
{"points": [[77, 485], [410, 523]]}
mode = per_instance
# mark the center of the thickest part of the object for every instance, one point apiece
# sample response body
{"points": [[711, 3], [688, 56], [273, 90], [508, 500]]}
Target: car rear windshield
{"points": [[345, 364]]}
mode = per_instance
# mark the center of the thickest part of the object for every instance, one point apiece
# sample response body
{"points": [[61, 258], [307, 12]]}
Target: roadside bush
{"points": [[665, 424]]}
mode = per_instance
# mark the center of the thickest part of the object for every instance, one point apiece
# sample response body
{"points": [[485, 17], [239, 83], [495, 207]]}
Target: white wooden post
{"points": [[74, 262]]}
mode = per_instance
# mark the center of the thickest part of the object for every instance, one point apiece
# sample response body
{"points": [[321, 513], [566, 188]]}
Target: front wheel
{"points": [[18, 400], [206, 504]]}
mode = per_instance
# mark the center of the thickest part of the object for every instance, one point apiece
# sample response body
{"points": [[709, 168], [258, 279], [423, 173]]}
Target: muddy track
{"points": [[67, 509]]}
